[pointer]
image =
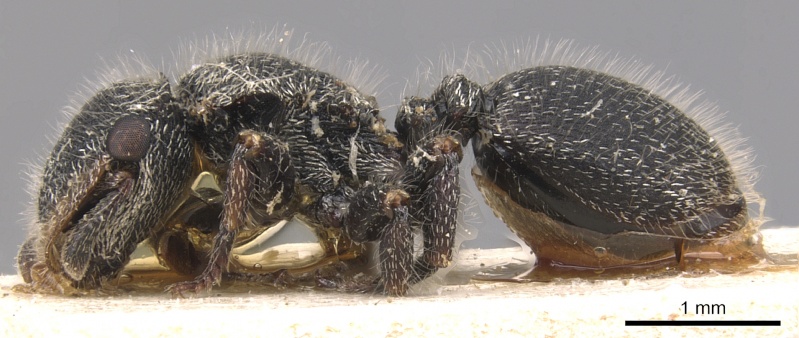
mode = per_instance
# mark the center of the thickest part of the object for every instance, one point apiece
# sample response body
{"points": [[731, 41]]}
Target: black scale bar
{"points": [[702, 323]]}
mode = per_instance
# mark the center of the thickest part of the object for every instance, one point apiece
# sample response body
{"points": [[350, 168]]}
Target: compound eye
{"points": [[129, 138]]}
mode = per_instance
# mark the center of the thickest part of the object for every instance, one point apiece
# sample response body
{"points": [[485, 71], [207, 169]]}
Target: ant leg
{"points": [[437, 197], [396, 245], [260, 184], [380, 213]]}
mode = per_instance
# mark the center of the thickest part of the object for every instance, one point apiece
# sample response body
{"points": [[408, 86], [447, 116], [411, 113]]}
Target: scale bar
{"points": [[702, 323]]}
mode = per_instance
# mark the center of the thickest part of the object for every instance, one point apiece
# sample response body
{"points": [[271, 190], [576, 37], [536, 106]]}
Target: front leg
{"points": [[260, 184]]}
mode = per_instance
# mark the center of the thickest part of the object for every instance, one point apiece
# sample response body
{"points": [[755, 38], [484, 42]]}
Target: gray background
{"points": [[743, 55]]}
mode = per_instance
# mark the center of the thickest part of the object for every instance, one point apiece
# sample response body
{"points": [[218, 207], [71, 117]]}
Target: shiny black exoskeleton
{"points": [[592, 171]]}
